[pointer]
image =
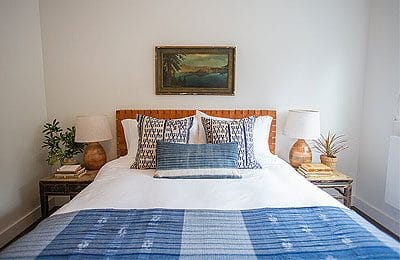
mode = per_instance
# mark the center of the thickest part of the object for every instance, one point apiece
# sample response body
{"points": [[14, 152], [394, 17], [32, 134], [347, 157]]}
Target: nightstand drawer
{"points": [[56, 188], [78, 187]]}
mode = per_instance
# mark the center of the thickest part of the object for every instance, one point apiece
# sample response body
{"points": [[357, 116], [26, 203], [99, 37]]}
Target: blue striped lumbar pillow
{"points": [[197, 161]]}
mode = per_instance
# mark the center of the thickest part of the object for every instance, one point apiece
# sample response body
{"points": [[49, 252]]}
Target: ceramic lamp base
{"points": [[300, 153], [94, 156]]}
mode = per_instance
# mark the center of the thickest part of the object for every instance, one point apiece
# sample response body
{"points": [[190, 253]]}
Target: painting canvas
{"points": [[195, 70]]}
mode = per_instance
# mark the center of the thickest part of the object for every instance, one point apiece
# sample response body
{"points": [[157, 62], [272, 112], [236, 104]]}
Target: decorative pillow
{"points": [[260, 138], [131, 134], [240, 131], [151, 130], [202, 135], [203, 161]]}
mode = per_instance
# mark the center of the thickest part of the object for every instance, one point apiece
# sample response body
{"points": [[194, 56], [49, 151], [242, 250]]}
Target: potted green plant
{"points": [[329, 147], [61, 145], [70, 147]]}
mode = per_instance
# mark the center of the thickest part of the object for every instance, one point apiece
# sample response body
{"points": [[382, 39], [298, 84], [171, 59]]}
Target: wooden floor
{"points": [[376, 224]]}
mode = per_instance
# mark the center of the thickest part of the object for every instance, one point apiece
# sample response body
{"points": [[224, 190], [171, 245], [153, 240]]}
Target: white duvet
{"points": [[276, 185]]}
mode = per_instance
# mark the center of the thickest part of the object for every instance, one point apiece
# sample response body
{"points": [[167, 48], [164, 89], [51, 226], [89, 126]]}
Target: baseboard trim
{"points": [[380, 217], [19, 226], [23, 225]]}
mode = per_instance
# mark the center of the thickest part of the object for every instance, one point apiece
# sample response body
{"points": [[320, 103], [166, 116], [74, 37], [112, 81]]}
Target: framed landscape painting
{"points": [[195, 70]]}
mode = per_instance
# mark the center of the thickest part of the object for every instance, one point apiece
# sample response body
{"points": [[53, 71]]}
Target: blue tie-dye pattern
{"points": [[295, 233]]}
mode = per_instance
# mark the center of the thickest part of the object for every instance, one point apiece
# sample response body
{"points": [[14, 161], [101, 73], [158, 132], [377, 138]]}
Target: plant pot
{"points": [[329, 161]]}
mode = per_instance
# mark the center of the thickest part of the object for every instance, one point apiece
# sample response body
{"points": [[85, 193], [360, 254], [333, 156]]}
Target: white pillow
{"points": [[194, 131], [260, 137], [132, 136], [262, 127]]}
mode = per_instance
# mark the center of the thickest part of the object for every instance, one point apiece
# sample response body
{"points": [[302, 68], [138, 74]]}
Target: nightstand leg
{"points": [[44, 202], [347, 196]]}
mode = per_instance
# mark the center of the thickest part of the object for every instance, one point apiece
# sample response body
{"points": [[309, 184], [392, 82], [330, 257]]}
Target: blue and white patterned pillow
{"points": [[151, 130], [240, 131], [197, 161]]}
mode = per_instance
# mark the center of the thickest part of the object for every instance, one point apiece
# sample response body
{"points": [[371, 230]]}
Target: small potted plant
{"points": [[330, 146], [70, 147], [61, 145]]}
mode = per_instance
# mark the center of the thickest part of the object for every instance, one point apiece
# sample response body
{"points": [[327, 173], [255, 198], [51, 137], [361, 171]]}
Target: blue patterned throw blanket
{"points": [[295, 233]]}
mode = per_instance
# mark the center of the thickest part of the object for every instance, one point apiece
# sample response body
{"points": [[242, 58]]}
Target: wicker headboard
{"points": [[172, 114]]}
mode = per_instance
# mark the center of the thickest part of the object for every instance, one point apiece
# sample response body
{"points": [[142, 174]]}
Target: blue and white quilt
{"points": [[267, 233]]}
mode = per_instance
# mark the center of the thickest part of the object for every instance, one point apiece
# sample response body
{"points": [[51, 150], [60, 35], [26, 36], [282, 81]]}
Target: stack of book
{"points": [[70, 171], [315, 169]]}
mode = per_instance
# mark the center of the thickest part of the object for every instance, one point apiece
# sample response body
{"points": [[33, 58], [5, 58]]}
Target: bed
{"points": [[271, 213]]}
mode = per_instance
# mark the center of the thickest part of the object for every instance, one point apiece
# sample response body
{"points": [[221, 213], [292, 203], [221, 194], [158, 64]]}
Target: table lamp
{"points": [[92, 130], [301, 124]]}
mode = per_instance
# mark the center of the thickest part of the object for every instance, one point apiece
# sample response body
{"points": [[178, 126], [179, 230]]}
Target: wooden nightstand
{"points": [[337, 181], [51, 186]]}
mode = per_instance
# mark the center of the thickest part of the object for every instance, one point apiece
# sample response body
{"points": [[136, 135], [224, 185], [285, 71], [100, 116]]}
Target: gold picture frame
{"points": [[195, 70]]}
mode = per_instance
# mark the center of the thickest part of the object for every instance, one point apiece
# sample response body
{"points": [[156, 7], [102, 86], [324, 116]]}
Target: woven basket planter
{"points": [[329, 161]]}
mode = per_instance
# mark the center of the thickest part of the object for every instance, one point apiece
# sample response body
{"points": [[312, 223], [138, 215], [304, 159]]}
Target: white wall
{"points": [[381, 91], [22, 113], [99, 56]]}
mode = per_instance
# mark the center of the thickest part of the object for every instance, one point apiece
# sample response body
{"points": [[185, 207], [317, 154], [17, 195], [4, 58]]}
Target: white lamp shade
{"points": [[91, 129], [302, 124]]}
